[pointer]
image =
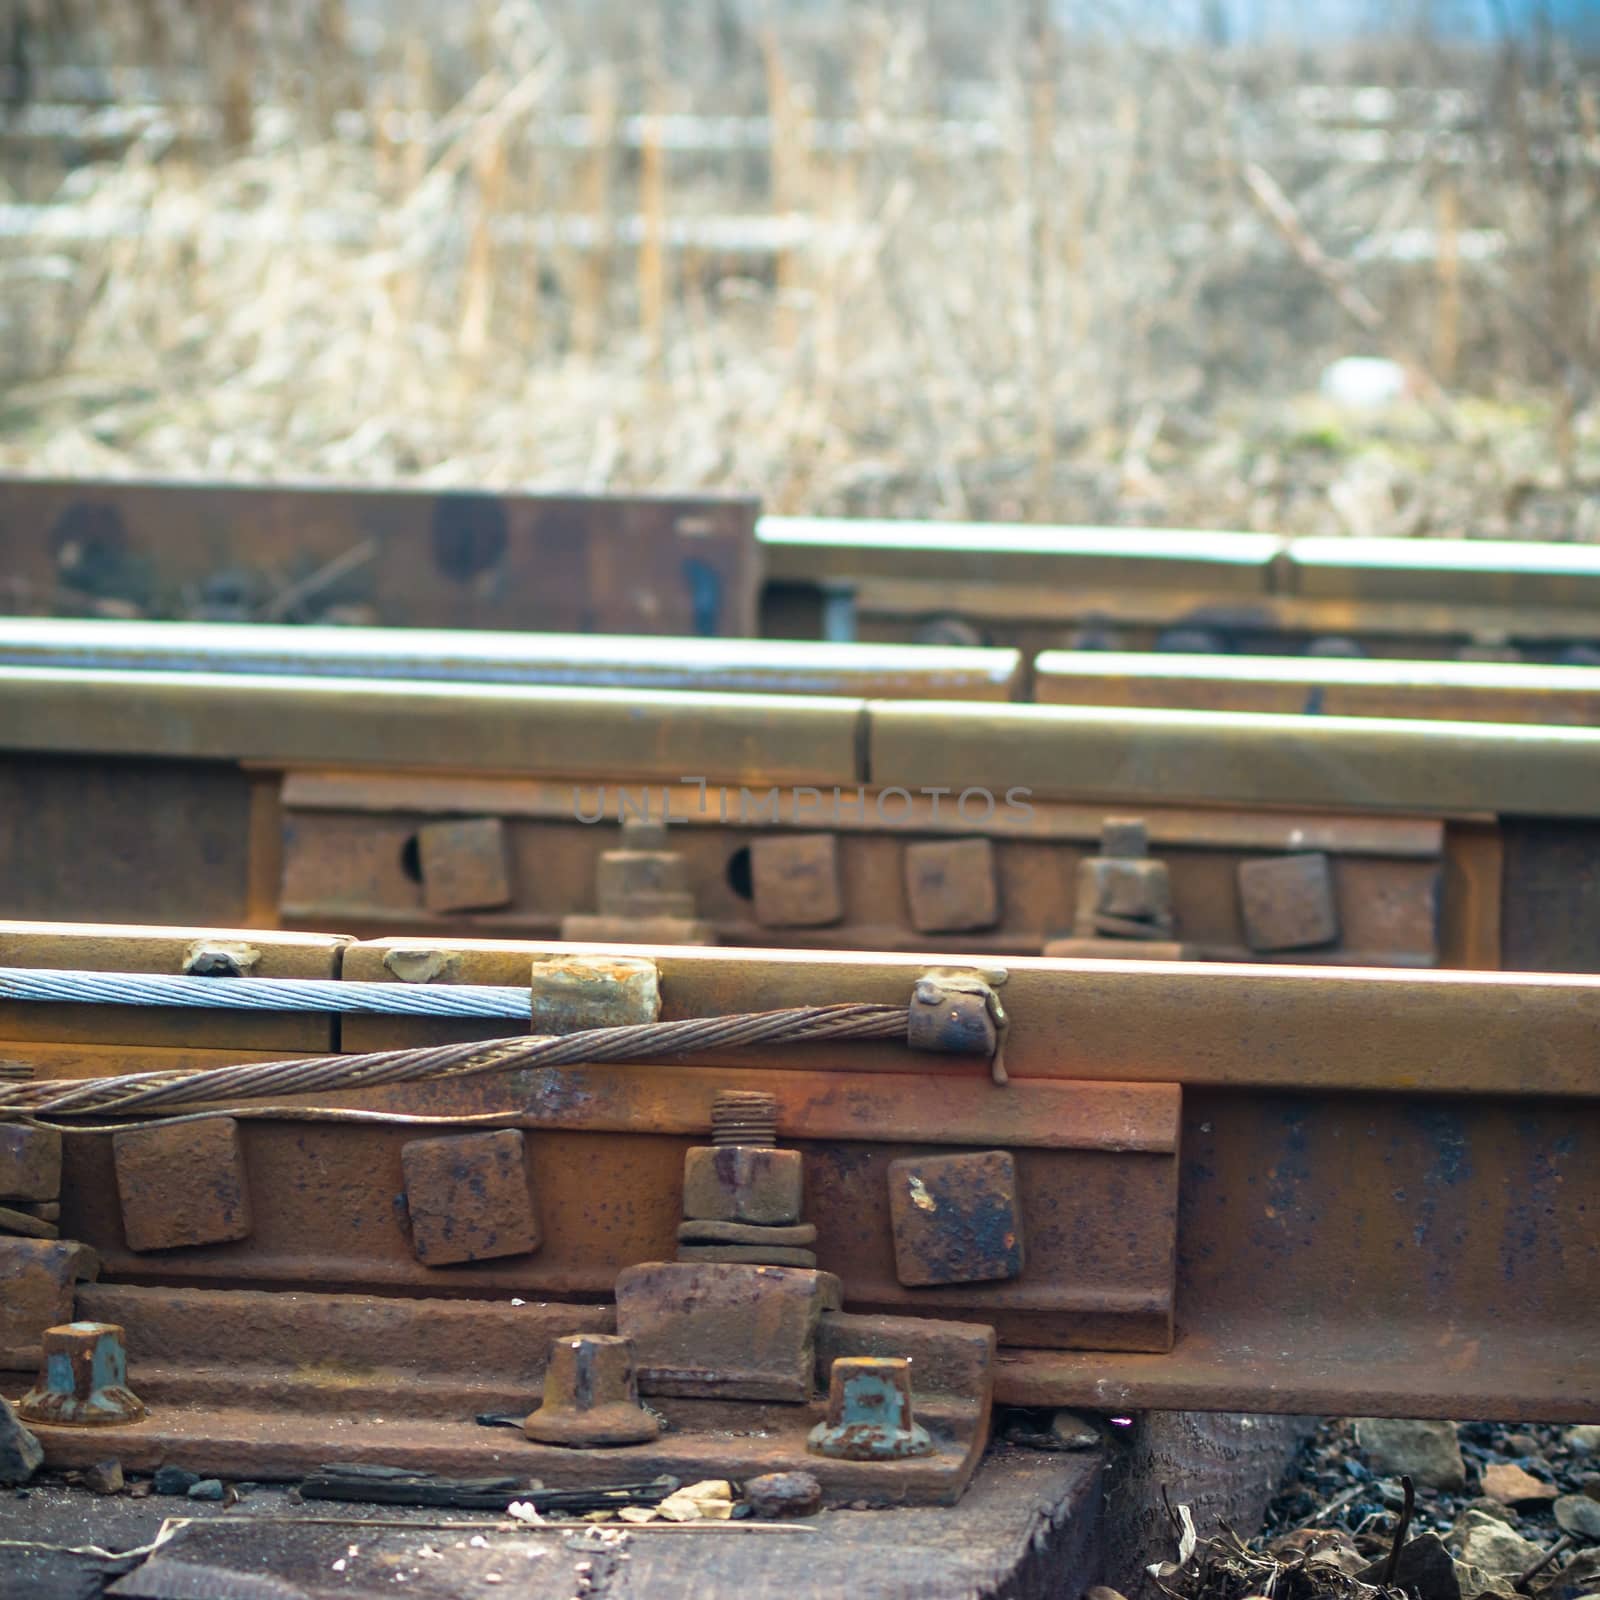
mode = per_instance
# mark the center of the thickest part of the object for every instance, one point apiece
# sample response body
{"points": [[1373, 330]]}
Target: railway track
{"points": [[853, 820], [1251, 1170], [713, 566], [1208, 1189]]}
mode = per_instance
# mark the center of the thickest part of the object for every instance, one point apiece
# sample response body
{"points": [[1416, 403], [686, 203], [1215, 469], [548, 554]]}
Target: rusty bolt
{"points": [[741, 1183], [869, 1412], [83, 1379], [745, 1116], [591, 1395]]}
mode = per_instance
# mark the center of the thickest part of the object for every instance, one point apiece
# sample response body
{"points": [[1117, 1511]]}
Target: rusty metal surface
{"points": [[469, 1197], [408, 1390], [182, 1185], [1551, 878], [951, 885], [1217, 1024], [1453, 691], [1407, 1255], [1385, 1196], [40, 1277], [591, 1395], [956, 1218], [345, 865], [122, 841], [30, 1163], [83, 1380], [438, 558], [1288, 902], [571, 660], [714, 1328], [464, 866]]}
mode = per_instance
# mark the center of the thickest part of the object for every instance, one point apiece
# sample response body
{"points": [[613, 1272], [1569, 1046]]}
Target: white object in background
{"points": [[1363, 383]]}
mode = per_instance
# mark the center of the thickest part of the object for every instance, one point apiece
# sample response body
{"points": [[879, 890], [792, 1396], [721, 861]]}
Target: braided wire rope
{"points": [[182, 1091]]}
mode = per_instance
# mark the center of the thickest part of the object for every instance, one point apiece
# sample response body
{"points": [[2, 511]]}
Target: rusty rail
{"points": [[1300, 1190]]}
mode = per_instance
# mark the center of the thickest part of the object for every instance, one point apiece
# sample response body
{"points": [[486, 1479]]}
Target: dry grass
{"points": [[378, 253]]}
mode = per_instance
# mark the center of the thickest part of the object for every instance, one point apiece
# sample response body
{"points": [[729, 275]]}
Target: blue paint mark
{"points": [[1314, 698], [705, 596]]}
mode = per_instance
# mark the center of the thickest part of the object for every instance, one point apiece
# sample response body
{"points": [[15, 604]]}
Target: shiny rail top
{"points": [[1465, 691], [1126, 756], [1470, 571], [577, 660]]}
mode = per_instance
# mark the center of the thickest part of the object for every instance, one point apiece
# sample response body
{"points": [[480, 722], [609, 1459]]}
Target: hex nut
{"points": [[742, 1183], [469, 1197], [182, 1185]]}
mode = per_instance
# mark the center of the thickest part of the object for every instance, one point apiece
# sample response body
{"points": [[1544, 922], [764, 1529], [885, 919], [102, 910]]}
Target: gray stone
{"points": [[1578, 1515], [1476, 1584], [1584, 1440], [777, 1496], [1492, 1508], [21, 1455], [1425, 1452], [1071, 1431], [206, 1489], [104, 1477], [1425, 1569], [1492, 1547], [1580, 1576], [174, 1480]]}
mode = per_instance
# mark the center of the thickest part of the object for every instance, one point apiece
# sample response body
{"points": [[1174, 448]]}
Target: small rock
{"points": [[1070, 1430], [1424, 1569], [1101, 1592], [1583, 1440], [1578, 1515], [206, 1489], [1497, 1509], [1349, 1562], [779, 1495], [104, 1477], [174, 1480], [1474, 1583], [1492, 1547], [1579, 1577], [1427, 1452], [1521, 1444], [20, 1453], [1514, 1487], [1589, 1484]]}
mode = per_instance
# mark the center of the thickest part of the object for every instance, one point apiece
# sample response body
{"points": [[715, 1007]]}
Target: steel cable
{"points": [[181, 1092]]}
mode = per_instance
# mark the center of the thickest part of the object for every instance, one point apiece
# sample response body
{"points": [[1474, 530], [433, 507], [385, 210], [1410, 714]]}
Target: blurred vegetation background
{"points": [[886, 257]]}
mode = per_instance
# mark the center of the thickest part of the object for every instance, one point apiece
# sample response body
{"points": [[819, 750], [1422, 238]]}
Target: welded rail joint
{"points": [[957, 1011]]}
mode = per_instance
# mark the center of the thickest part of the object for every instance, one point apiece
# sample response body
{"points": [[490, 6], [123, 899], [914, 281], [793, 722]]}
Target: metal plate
{"points": [[407, 557]]}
